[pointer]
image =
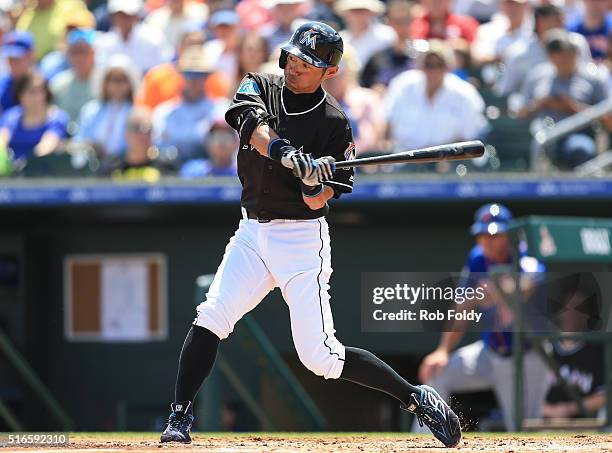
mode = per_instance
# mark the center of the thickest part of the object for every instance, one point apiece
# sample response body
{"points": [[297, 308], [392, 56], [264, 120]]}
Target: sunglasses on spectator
{"points": [[434, 65], [117, 79], [139, 128], [36, 89], [192, 75], [79, 49]]}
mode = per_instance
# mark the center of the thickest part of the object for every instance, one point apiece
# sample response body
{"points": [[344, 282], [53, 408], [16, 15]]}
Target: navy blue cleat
{"points": [[430, 409], [179, 424]]}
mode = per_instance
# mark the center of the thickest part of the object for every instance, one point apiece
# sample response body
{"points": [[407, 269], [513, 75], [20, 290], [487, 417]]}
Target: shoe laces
{"points": [[426, 415], [423, 415], [179, 421]]}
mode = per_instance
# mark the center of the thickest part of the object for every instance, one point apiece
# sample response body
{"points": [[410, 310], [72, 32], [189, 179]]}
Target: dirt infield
{"points": [[334, 442]]}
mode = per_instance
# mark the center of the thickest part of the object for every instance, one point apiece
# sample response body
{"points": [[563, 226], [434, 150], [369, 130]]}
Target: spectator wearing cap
{"points": [[438, 22], [364, 31], [176, 16], [399, 56], [595, 24], [363, 106], [183, 124], [481, 10], [525, 55], [222, 145], [5, 27], [561, 89], [141, 161], [253, 14], [223, 50], [56, 61], [284, 13], [103, 120], [324, 11], [430, 106], [144, 45], [18, 49], [487, 364], [73, 87], [34, 127], [165, 82], [46, 20], [510, 25]]}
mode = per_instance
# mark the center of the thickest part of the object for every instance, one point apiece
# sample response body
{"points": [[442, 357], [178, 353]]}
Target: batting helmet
{"points": [[316, 43], [491, 219]]}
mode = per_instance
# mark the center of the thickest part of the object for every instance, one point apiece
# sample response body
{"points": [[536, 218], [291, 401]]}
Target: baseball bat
{"points": [[451, 151]]}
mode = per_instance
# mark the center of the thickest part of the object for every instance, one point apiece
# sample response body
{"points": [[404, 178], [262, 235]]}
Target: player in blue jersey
{"points": [[487, 363]]}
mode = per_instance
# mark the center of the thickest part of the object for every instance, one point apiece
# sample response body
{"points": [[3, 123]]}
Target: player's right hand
{"points": [[433, 364], [299, 163]]}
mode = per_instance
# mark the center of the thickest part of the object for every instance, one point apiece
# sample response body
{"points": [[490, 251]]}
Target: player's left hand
{"points": [[322, 171], [301, 164]]}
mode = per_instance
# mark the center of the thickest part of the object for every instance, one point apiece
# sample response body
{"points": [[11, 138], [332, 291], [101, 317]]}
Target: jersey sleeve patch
{"points": [[249, 86]]}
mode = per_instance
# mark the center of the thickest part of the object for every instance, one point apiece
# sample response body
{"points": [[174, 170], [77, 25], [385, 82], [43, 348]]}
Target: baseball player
{"points": [[291, 132], [488, 363]]}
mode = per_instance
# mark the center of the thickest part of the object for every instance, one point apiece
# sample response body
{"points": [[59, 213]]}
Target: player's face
{"points": [[301, 77], [496, 247]]}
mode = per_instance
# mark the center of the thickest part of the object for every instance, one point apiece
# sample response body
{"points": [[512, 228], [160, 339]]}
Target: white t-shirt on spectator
{"points": [[146, 47], [454, 114], [523, 56], [493, 38], [225, 62], [174, 26], [378, 37]]}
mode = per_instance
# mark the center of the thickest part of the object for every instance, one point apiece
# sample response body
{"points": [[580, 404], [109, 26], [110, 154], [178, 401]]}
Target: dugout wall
{"points": [[127, 385]]}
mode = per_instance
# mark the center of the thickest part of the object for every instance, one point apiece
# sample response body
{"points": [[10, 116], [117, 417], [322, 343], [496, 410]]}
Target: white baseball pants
{"points": [[476, 367], [294, 255]]}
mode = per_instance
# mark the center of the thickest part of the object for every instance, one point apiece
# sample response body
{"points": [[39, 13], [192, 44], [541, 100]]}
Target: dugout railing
{"points": [[584, 243]]}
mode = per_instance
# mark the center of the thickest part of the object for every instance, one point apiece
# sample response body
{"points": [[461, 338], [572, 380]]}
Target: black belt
{"points": [[252, 216]]}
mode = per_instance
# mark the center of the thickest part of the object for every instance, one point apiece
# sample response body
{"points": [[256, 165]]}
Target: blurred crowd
{"points": [[139, 90]]}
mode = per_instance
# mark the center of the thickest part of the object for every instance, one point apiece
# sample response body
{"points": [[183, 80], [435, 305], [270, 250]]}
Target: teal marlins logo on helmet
{"points": [[315, 43]]}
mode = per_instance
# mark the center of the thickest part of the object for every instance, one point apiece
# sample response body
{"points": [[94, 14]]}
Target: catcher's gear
{"points": [[323, 171], [179, 424], [316, 43], [431, 409]]}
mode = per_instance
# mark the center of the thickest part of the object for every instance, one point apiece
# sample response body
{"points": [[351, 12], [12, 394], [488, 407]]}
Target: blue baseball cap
{"points": [[223, 17], [86, 35], [492, 218], [16, 44]]}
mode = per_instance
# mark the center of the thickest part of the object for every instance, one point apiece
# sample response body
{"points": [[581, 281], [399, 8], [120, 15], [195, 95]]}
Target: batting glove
{"points": [[299, 163], [323, 171]]}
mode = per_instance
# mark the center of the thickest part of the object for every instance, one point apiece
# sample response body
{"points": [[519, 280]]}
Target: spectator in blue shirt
{"points": [[488, 363], [222, 144], [103, 121], [596, 26], [18, 49], [183, 124], [35, 127]]}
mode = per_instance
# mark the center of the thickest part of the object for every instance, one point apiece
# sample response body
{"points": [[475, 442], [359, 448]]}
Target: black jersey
{"points": [[582, 367], [313, 123]]}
